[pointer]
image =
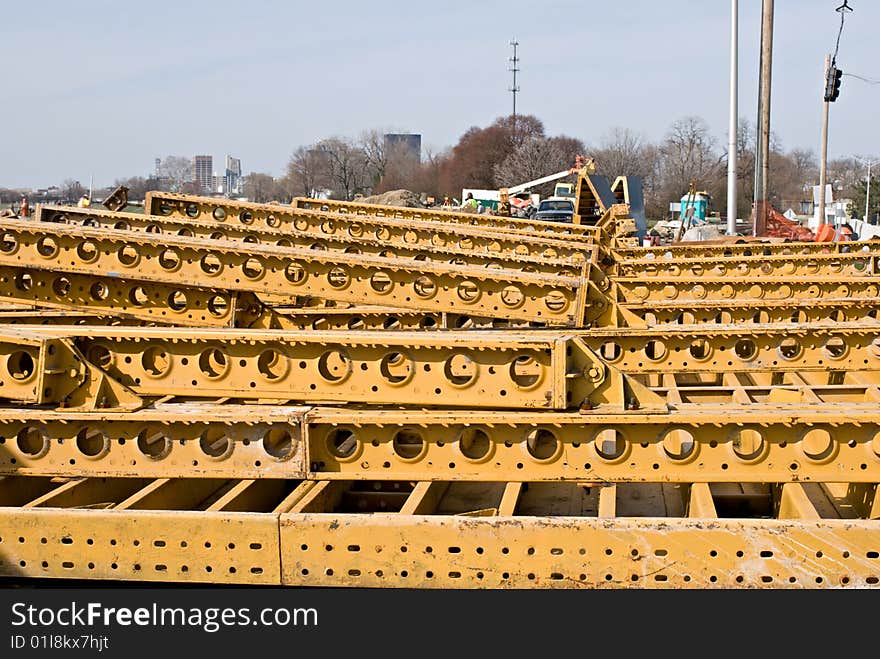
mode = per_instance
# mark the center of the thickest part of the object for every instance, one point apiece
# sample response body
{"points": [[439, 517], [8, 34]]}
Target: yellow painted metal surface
{"points": [[177, 302], [343, 394], [433, 244], [289, 271], [488, 221], [760, 443], [432, 534], [138, 545], [180, 440], [534, 368], [564, 552], [262, 223]]}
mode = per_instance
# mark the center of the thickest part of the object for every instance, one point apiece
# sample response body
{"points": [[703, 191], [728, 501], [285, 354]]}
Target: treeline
{"points": [[513, 150]]}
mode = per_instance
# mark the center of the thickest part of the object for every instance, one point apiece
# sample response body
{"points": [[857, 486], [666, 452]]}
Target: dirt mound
{"points": [[404, 198]]}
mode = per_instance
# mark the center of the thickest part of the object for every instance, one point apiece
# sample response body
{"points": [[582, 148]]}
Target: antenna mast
{"points": [[514, 69]]}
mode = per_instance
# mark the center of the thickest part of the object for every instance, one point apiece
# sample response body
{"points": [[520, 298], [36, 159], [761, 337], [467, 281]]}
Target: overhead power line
{"points": [[842, 9], [868, 80]]}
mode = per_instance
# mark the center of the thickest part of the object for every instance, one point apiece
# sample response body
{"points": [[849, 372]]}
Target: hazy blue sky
{"points": [[102, 88]]}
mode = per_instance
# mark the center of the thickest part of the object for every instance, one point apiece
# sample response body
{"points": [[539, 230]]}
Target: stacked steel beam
{"points": [[331, 393]]}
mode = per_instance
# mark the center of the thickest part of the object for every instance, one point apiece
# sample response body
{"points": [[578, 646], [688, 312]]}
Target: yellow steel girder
{"points": [[436, 534], [488, 221], [232, 220], [725, 443], [261, 269], [492, 368], [101, 295], [722, 443], [196, 441], [431, 244]]}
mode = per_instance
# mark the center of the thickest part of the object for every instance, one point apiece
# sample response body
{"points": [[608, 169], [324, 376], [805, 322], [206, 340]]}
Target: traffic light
{"points": [[832, 83]]}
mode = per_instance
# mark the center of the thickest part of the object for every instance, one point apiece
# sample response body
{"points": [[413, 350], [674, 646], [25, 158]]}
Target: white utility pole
{"points": [[823, 163], [732, 144], [868, 190]]}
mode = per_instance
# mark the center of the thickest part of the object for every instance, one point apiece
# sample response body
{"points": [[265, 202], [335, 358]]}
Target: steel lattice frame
{"points": [[342, 394]]}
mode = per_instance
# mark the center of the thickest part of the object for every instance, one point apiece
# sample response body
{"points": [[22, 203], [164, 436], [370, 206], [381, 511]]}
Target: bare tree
{"points": [[429, 174], [372, 143], [402, 168], [520, 128], [307, 172], [472, 161], [621, 153], [176, 170], [689, 154], [845, 174], [656, 204], [260, 187], [9, 195], [72, 190], [346, 166], [535, 158], [805, 163]]}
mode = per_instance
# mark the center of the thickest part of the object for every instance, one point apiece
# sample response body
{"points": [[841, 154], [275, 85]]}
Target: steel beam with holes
{"points": [[779, 291], [719, 443], [309, 228], [625, 316], [503, 370], [542, 369], [166, 440], [29, 372], [799, 441], [260, 269], [746, 313], [45, 317], [739, 348], [285, 318], [164, 203], [432, 247], [589, 551], [759, 256], [824, 268], [592, 191], [441, 534], [360, 318], [209, 530], [42, 369], [177, 303]]}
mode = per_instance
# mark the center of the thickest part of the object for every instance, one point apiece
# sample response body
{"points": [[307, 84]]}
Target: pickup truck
{"points": [[555, 209]]}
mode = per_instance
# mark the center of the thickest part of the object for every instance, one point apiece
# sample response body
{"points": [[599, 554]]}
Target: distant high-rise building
{"points": [[409, 144], [233, 176], [203, 173], [158, 165]]}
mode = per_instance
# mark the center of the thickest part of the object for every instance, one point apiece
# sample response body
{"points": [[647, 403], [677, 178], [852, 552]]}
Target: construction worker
{"points": [[470, 204], [84, 201], [24, 211]]}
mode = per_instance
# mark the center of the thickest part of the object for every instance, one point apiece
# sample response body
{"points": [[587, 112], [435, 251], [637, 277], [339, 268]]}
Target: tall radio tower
{"points": [[514, 61]]}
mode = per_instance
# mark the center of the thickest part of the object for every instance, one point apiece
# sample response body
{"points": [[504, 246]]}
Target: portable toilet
{"points": [[699, 202]]}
